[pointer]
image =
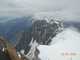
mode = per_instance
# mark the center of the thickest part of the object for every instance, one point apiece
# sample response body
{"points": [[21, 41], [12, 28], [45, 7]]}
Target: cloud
{"points": [[58, 9], [64, 15]]}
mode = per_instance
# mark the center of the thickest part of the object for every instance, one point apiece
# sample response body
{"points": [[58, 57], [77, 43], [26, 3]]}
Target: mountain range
{"points": [[9, 27], [30, 36], [41, 32]]}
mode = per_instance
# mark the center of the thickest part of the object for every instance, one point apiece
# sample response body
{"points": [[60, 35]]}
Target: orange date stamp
{"points": [[68, 54]]}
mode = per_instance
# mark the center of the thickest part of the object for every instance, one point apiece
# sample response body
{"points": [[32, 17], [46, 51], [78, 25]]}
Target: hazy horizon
{"points": [[66, 10]]}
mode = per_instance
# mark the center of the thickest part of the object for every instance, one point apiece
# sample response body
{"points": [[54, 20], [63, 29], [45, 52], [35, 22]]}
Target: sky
{"points": [[67, 10]]}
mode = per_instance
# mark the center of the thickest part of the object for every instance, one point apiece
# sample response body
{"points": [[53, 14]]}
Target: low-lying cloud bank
{"points": [[57, 9]]}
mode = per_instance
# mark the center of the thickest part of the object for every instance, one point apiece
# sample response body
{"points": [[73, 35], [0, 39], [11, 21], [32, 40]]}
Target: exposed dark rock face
{"points": [[40, 32], [4, 55]]}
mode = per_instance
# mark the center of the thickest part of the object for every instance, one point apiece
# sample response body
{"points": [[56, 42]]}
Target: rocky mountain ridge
{"points": [[41, 32]]}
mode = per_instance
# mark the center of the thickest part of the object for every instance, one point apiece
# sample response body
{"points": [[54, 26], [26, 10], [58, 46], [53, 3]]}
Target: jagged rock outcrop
{"points": [[8, 53], [40, 32]]}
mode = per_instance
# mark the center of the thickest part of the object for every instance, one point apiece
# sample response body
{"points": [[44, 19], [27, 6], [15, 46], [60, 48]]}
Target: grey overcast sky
{"points": [[57, 9]]}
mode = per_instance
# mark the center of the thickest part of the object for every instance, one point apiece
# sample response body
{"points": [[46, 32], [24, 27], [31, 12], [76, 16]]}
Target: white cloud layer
{"points": [[57, 9]]}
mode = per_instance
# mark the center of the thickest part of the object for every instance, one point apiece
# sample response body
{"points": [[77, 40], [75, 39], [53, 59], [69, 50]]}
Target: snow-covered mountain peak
{"points": [[67, 41], [44, 19], [40, 32], [51, 21], [47, 20]]}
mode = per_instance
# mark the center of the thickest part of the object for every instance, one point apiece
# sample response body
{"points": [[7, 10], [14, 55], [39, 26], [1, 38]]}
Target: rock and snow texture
{"points": [[41, 32], [31, 53], [67, 41]]}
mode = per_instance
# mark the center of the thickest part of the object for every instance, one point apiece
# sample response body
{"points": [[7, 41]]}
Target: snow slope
{"points": [[67, 41]]}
